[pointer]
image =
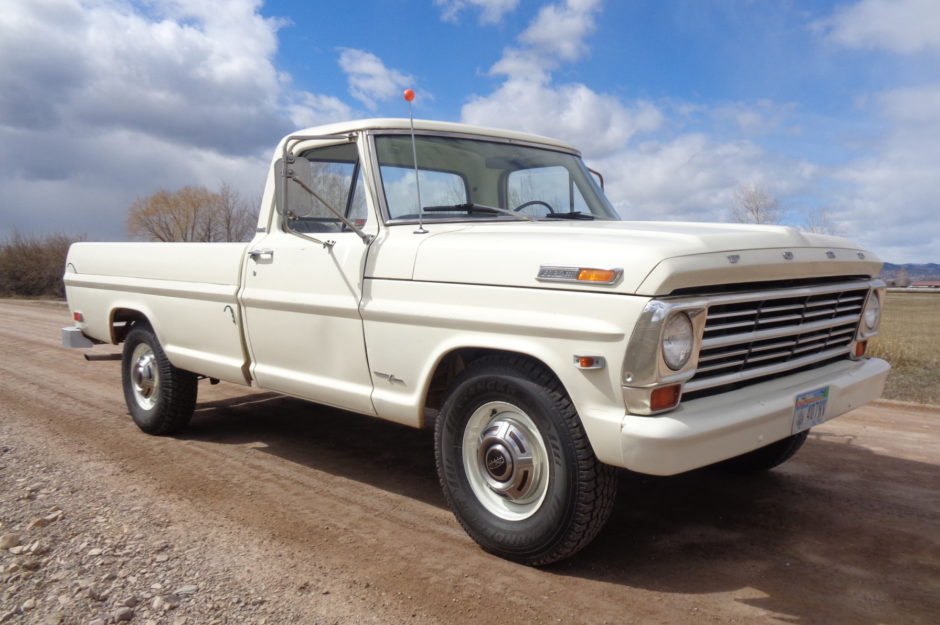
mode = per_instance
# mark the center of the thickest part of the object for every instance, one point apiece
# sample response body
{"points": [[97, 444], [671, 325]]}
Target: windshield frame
{"points": [[380, 196]]}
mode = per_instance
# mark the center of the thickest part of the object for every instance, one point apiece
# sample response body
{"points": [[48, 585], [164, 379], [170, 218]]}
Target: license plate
{"points": [[810, 409]]}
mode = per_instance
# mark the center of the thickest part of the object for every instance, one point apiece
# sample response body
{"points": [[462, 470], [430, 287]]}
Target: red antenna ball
{"points": [[409, 95]]}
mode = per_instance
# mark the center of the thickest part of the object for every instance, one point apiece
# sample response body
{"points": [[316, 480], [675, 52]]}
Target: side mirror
{"points": [[290, 198]]}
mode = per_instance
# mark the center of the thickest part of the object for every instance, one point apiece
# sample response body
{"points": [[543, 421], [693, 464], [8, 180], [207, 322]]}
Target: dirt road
{"points": [[278, 511]]}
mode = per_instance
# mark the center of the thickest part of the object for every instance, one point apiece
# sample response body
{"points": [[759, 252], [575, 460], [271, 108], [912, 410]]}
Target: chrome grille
{"points": [[779, 333]]}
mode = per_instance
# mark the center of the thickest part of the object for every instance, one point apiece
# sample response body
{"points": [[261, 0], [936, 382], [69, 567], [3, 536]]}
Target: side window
{"points": [[438, 188], [544, 190], [334, 174]]}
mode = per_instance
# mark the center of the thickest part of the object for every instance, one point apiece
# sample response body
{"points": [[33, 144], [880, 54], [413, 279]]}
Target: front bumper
{"points": [[704, 431]]}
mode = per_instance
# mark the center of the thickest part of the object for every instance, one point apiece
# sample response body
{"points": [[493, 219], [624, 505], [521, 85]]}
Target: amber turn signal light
{"points": [[597, 275], [860, 348], [665, 397]]}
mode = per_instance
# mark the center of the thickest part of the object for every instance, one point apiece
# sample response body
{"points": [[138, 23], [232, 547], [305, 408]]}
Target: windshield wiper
{"points": [[477, 208], [571, 215]]}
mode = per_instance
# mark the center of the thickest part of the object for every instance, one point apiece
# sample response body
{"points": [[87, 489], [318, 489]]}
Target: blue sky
{"points": [[831, 107]]}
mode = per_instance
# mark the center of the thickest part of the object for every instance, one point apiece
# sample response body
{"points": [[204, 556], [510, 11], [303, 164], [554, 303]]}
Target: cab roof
{"points": [[429, 125]]}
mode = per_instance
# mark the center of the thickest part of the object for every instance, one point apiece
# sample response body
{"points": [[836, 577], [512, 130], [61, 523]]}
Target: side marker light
{"points": [[589, 362], [578, 274], [597, 275]]}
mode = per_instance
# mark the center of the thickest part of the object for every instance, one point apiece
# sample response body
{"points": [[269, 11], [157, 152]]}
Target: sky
{"points": [[831, 107]]}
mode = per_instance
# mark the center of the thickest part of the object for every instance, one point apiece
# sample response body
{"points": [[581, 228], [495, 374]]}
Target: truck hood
{"points": [[657, 258]]}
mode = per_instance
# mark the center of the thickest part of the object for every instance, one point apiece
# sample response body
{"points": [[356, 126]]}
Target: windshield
{"points": [[471, 179]]}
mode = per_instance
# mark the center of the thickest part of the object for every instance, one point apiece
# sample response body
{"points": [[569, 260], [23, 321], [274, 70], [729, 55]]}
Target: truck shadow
{"points": [[839, 534], [385, 455]]}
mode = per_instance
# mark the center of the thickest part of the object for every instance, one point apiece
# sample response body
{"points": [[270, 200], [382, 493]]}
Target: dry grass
{"points": [[910, 341]]}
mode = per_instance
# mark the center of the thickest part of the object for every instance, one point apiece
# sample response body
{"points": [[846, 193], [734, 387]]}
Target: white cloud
{"points": [[889, 197], [751, 119], [103, 101], [559, 29], [598, 123], [652, 169], [901, 26], [369, 79], [491, 11], [914, 105], [692, 177], [528, 99], [311, 109]]}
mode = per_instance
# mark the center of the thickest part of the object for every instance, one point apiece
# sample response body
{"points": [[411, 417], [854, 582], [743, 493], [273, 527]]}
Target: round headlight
{"points": [[677, 341], [872, 312]]}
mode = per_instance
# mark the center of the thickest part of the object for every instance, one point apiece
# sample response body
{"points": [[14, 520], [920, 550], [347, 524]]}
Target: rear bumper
{"points": [[705, 431], [73, 337]]}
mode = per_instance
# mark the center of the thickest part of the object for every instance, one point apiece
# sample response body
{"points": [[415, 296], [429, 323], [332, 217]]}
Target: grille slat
{"points": [[737, 339], [749, 339]]}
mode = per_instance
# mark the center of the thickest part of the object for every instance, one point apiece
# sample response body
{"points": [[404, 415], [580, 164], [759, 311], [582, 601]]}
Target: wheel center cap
{"points": [[498, 463]]}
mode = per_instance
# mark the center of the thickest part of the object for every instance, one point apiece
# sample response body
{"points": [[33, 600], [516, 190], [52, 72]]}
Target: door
{"points": [[303, 286]]}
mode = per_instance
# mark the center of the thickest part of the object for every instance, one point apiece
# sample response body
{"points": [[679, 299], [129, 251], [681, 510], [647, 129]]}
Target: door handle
{"points": [[261, 254]]}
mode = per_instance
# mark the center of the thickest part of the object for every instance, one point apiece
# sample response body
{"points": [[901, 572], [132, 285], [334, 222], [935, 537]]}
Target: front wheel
{"points": [[515, 464], [160, 397]]}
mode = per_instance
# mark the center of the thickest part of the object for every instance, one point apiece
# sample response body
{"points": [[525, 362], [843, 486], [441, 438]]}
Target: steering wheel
{"points": [[551, 211]]}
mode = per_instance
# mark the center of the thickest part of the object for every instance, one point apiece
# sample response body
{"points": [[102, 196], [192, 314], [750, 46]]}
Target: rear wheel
{"points": [[160, 397], [516, 466], [766, 458]]}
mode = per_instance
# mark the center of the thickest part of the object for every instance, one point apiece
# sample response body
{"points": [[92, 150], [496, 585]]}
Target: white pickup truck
{"points": [[478, 282]]}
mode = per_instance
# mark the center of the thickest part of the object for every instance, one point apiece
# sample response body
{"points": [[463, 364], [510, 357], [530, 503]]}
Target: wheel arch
{"points": [[589, 391], [451, 363], [122, 319]]}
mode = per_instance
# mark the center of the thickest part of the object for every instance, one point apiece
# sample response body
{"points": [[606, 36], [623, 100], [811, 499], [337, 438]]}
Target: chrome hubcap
{"points": [[505, 460], [144, 376]]}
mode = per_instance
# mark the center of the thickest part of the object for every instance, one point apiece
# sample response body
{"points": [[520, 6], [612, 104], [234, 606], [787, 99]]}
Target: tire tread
{"points": [[597, 482], [178, 388]]}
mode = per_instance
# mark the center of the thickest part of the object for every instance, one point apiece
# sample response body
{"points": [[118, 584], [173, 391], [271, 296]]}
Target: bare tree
{"points": [[236, 219], [31, 266], [902, 278], [191, 214], [819, 222], [754, 204]]}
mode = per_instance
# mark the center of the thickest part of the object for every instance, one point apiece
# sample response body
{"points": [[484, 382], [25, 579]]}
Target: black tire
{"points": [[765, 458], [160, 397], [551, 508]]}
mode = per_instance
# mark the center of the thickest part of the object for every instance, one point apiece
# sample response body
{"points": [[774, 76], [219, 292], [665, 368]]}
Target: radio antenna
{"points": [[409, 95]]}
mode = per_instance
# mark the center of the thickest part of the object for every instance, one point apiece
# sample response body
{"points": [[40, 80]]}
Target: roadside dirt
{"points": [[271, 510]]}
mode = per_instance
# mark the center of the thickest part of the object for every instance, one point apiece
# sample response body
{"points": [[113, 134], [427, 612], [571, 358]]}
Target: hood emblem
{"points": [[734, 258], [788, 255]]}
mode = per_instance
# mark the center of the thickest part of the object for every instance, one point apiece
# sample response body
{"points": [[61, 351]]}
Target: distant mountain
{"points": [[898, 274]]}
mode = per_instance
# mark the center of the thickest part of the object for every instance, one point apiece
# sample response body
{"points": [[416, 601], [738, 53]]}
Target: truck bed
{"points": [[187, 290]]}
